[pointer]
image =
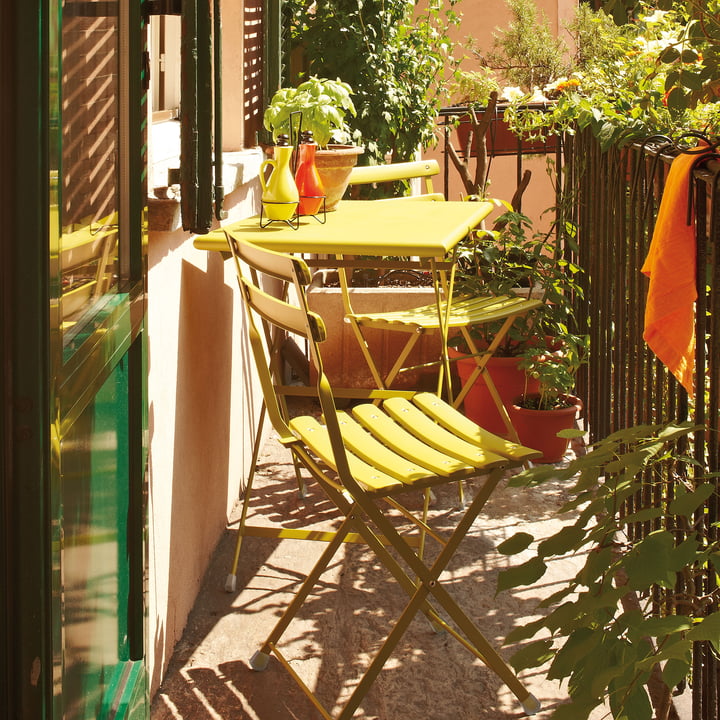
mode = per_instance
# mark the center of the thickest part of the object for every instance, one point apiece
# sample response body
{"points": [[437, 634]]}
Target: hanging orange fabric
{"points": [[670, 265]]}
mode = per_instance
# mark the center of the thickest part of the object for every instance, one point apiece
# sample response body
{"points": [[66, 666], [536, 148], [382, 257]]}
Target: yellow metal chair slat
{"points": [[365, 445], [372, 174], [316, 437], [407, 445], [451, 418], [415, 421], [367, 465]]}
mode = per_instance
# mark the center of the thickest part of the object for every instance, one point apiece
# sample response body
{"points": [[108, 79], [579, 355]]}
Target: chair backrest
{"points": [[426, 169], [278, 315]]}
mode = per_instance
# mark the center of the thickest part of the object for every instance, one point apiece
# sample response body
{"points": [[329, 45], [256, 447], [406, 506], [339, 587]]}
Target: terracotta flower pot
{"points": [[538, 429], [509, 380], [334, 165]]}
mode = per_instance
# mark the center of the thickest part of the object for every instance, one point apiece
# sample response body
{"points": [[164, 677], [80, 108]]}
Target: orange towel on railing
{"points": [[670, 265]]}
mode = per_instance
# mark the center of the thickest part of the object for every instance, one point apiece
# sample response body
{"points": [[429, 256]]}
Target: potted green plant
{"points": [[540, 416], [513, 259], [395, 55], [322, 106]]}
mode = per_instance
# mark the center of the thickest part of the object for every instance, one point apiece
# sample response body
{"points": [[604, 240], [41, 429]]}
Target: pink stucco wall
{"points": [[202, 418]]}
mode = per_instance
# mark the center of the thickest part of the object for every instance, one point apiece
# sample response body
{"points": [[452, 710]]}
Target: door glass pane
{"points": [[95, 552], [89, 192]]}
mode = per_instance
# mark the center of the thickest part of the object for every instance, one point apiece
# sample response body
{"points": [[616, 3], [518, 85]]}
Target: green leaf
{"points": [[556, 597], [675, 671], [707, 629], [692, 80], [669, 55], [608, 597], [571, 433], [566, 539], [598, 563], [577, 648], [633, 706], [686, 503], [650, 562], [525, 574], [532, 655], [659, 627], [515, 544], [525, 631], [643, 515], [561, 616]]}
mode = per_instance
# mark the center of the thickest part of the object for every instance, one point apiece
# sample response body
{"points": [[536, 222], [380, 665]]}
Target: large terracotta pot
{"points": [[538, 429], [334, 165], [509, 380], [344, 362]]}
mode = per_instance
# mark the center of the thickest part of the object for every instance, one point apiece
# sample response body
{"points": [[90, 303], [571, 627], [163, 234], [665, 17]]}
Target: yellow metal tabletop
{"points": [[364, 227]]}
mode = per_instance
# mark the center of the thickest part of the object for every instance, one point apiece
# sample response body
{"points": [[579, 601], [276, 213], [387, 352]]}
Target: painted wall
{"points": [[202, 420], [203, 401]]}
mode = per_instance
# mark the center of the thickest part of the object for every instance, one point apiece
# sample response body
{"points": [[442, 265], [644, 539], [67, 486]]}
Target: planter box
{"points": [[500, 140], [344, 361]]}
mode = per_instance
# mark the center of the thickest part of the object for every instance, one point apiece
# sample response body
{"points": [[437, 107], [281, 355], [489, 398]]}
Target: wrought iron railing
{"points": [[613, 198]]}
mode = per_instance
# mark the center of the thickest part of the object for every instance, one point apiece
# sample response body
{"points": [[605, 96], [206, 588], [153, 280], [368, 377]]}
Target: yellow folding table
{"points": [[364, 227]]}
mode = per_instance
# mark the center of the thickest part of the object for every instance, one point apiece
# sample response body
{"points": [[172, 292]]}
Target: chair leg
{"points": [[231, 579], [418, 592], [259, 659], [429, 585]]}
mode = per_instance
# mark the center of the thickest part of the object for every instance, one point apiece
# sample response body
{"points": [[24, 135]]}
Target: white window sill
{"points": [[239, 168]]}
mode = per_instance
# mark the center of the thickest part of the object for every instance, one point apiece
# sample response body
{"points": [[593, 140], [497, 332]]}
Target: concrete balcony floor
{"points": [[428, 676]]}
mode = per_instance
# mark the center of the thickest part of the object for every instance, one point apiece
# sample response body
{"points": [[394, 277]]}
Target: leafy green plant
{"points": [[692, 75], [323, 104], [527, 52], [555, 371], [645, 77], [473, 87], [391, 52], [622, 628], [514, 259]]}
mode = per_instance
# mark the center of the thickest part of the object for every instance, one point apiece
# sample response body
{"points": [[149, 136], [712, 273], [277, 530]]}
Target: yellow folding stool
{"points": [[366, 461]]}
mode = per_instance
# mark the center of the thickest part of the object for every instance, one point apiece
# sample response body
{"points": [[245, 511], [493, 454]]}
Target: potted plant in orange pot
{"points": [[324, 105], [543, 417], [513, 260]]}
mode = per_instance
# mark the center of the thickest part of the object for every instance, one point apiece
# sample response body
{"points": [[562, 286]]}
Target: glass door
{"points": [[97, 309]]}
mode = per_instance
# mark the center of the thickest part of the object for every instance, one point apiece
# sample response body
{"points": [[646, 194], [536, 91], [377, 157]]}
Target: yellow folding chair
{"points": [[393, 172], [366, 461], [447, 314]]}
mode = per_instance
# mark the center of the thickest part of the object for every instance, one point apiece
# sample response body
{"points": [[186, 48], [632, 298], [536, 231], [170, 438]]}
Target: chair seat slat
{"points": [[463, 312], [454, 420], [369, 448], [427, 430], [385, 429], [316, 437]]}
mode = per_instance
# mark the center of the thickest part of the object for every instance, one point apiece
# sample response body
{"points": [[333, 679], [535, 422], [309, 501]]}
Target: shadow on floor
{"points": [[428, 676]]}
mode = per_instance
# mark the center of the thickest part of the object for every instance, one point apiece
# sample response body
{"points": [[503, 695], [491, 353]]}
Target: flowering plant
{"points": [[647, 79]]}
